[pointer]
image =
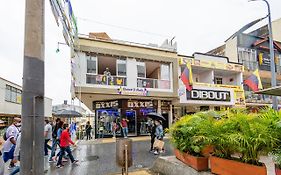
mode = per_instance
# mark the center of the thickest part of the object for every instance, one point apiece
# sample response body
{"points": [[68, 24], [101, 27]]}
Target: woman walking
{"points": [[159, 134], [65, 142]]}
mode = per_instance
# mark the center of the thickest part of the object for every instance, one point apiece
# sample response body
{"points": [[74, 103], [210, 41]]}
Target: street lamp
{"points": [[271, 51]]}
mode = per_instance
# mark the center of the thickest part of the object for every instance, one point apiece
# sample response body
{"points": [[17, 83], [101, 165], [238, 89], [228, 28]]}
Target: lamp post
{"points": [[271, 51]]}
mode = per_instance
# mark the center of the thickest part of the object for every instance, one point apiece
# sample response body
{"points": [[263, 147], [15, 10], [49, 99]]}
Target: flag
{"points": [[186, 77], [254, 81], [260, 58]]}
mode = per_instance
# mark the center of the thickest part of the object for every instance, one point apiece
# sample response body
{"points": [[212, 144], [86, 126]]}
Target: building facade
{"points": [[10, 102], [118, 79], [252, 50], [217, 84]]}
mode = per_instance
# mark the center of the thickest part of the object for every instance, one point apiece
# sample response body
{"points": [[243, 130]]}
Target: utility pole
{"points": [[271, 51], [32, 140]]}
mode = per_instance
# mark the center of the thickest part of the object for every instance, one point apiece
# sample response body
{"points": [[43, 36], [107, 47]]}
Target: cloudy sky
{"points": [[199, 26]]}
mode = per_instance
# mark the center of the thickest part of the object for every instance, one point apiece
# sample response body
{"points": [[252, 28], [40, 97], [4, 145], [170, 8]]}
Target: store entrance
{"points": [[131, 115]]}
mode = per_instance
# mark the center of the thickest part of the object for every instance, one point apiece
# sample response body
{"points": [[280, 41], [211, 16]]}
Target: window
{"points": [[165, 72], [141, 69], [248, 57], [92, 65], [13, 94], [218, 80], [121, 67]]}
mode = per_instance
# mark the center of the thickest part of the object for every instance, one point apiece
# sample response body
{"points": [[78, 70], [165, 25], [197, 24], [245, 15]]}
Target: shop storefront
{"points": [[134, 110]]}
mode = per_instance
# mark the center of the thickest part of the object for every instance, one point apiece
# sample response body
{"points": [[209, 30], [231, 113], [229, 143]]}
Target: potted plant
{"points": [[239, 139], [190, 139]]}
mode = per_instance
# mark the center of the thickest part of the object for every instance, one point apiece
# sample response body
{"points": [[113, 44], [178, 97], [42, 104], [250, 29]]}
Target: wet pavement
{"points": [[96, 158]]}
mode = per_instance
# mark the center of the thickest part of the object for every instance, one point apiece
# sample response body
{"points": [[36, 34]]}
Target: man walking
{"points": [[10, 137], [55, 141], [48, 136], [88, 130]]}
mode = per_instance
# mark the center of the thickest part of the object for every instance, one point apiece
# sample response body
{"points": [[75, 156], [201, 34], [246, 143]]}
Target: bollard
{"points": [[124, 153]]}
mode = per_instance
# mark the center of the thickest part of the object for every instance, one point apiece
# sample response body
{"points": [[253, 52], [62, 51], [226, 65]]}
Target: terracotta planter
{"points": [[277, 170], [232, 167], [197, 163]]}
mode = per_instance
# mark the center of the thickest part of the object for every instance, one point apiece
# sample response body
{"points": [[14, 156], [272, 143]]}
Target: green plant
{"points": [[190, 133]]}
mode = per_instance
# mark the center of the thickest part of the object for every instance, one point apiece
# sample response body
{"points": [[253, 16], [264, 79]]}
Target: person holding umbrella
{"points": [[159, 135]]}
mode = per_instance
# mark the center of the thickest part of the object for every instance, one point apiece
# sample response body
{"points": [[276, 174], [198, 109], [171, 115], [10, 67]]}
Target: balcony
{"points": [[106, 80], [153, 83], [253, 65], [258, 98]]}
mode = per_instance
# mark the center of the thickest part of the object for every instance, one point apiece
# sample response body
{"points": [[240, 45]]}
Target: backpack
{"points": [[5, 136]]}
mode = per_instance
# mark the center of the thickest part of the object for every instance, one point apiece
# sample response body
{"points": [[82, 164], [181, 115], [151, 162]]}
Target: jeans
{"points": [[46, 147], [100, 134], [62, 151], [54, 148], [88, 134], [15, 170], [125, 132]]}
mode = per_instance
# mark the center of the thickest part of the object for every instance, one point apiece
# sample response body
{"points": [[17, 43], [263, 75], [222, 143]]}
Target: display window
{"points": [[106, 119]]}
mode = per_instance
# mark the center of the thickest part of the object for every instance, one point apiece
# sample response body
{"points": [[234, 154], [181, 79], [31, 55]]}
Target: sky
{"points": [[198, 26]]}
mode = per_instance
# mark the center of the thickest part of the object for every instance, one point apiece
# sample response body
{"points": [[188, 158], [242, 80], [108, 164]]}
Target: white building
{"points": [[10, 101]]}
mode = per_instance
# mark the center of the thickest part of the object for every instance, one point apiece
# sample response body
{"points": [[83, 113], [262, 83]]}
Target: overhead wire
{"points": [[122, 27]]}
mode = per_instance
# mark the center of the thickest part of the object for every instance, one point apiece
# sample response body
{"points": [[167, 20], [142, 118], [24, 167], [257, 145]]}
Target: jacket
{"points": [[65, 139], [159, 133]]}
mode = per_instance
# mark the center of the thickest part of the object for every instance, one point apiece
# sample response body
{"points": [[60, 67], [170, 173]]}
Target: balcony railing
{"points": [[251, 65], [153, 83], [106, 80], [218, 85], [258, 98]]}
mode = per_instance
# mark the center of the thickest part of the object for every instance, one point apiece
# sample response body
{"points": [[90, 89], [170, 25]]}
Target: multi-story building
{"points": [[252, 50], [122, 79], [217, 84], [10, 101]]}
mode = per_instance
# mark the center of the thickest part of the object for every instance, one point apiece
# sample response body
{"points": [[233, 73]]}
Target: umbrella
{"points": [[155, 116], [68, 113]]}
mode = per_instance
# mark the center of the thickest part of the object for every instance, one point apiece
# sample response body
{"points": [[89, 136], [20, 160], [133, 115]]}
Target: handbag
{"points": [[159, 144]]}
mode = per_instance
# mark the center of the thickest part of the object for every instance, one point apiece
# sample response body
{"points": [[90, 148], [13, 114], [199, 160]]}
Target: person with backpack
{"points": [[159, 135], [65, 142], [55, 140], [10, 137]]}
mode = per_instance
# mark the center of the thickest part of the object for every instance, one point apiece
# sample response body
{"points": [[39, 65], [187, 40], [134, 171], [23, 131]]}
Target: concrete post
{"points": [[32, 143]]}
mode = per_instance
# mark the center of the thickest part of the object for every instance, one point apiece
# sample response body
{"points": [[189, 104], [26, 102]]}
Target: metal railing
{"points": [[153, 83], [253, 65], [106, 80], [259, 98]]}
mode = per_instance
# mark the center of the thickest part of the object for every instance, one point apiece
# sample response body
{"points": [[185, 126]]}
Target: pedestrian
{"points": [[88, 129], [48, 136], [124, 125], [55, 140], [159, 134], [65, 142], [101, 130], [10, 137], [17, 155], [114, 128], [73, 129], [152, 136]]}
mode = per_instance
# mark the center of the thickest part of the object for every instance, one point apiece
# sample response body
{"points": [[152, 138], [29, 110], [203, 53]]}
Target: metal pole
{"points": [[32, 142], [272, 61], [126, 159]]}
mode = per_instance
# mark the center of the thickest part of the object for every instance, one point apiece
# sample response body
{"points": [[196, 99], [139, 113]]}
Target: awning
{"points": [[275, 91]]}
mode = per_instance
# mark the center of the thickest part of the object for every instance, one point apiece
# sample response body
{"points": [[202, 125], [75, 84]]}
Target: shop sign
{"points": [[140, 104], [132, 91], [209, 95], [106, 104]]}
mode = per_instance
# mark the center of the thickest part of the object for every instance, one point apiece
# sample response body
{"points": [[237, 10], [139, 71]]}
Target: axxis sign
{"points": [[106, 104], [209, 95]]}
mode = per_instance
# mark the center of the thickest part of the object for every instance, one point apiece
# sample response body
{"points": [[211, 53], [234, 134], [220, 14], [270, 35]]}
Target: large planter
{"points": [[231, 167], [207, 150], [197, 163], [277, 170]]}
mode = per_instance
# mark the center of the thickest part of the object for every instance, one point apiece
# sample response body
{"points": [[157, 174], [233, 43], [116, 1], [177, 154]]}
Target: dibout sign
{"points": [[212, 95]]}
